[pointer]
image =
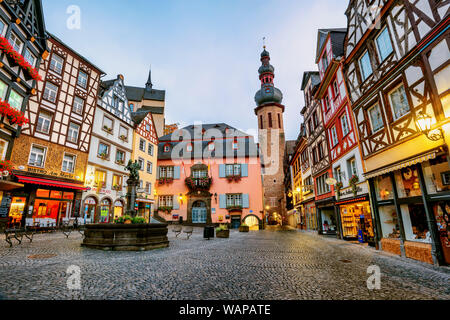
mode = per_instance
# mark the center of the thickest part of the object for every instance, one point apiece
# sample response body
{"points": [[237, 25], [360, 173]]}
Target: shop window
{"points": [[415, 223], [437, 175], [56, 194], [390, 226], [357, 221], [40, 193], [105, 209], [383, 188], [16, 211], [68, 196], [407, 181]]}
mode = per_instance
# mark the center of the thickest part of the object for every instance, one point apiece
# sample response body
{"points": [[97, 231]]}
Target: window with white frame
{"points": [[82, 79], [56, 64], [148, 188], [345, 125], [50, 92], [142, 144], [149, 167], [68, 163], [352, 167], [384, 44], [376, 118], [334, 137], [78, 105], [234, 200], [338, 174], [3, 27], [120, 157], [150, 149], [365, 66], [74, 133], [107, 124], [44, 122], [15, 100], [166, 172], [166, 201], [322, 186], [37, 156], [3, 90], [123, 133], [30, 58], [233, 170], [399, 102], [16, 43], [141, 164]]}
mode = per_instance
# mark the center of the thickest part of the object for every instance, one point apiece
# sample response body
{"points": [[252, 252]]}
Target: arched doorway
{"points": [[90, 206], [105, 210], [199, 212], [118, 209], [253, 222]]}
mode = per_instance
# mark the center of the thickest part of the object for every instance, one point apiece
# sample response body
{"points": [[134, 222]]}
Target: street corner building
{"points": [[209, 174], [398, 77], [272, 141], [51, 154]]}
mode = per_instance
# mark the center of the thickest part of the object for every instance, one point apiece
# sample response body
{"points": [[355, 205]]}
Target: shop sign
{"points": [[349, 192], [51, 173], [102, 191], [5, 204]]}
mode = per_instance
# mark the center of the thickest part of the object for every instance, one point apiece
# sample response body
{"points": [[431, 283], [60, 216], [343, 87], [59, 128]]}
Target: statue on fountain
{"points": [[133, 183]]}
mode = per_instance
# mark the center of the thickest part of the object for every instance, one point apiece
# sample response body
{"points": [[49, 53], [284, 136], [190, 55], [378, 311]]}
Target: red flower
{"points": [[6, 47], [14, 116]]}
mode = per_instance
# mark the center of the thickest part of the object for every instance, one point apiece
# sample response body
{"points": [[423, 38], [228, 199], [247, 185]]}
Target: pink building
{"points": [[209, 174]]}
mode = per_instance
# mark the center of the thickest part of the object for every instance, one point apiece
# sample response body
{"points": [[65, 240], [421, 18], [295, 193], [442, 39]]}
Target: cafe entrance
{"points": [[52, 206]]}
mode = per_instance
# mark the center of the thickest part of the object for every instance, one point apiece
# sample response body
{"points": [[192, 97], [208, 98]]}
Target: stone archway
{"points": [[253, 221], [201, 197]]}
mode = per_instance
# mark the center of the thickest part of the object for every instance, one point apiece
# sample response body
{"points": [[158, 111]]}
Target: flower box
{"points": [[13, 115], [244, 229], [234, 208], [223, 234], [123, 138], [109, 130], [15, 57], [168, 210]]}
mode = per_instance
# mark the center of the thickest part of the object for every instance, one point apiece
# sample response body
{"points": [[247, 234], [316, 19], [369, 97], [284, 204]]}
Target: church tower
{"points": [[270, 112]]}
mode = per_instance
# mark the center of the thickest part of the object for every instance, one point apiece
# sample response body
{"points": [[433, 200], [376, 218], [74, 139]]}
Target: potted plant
{"points": [[244, 228], [353, 181], [127, 220], [230, 179], [107, 129], [222, 231], [117, 187], [123, 138], [103, 156], [339, 187]]}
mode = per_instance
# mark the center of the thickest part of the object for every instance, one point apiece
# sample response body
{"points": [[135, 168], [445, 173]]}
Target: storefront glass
{"points": [[390, 226], [90, 206], [357, 221], [105, 210], [118, 209], [16, 211], [383, 188], [437, 175], [415, 223], [52, 206], [442, 213], [408, 184]]}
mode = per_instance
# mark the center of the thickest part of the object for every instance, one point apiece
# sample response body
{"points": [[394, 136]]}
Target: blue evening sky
{"points": [[204, 53]]}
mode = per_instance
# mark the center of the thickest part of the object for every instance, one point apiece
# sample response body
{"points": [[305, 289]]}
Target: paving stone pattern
{"points": [[288, 265]]}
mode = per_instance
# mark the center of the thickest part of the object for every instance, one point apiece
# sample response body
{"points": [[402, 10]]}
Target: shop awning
{"points": [[9, 186], [51, 183], [145, 200], [404, 164]]}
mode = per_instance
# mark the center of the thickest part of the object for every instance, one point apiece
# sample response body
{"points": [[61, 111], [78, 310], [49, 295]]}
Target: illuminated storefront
{"points": [[412, 206], [356, 220]]}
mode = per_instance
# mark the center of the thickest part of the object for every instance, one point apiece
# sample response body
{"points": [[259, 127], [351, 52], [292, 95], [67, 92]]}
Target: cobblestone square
{"points": [[289, 265]]}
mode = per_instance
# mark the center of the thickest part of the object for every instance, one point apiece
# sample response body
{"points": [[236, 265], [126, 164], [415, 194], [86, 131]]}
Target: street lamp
{"points": [[423, 122]]}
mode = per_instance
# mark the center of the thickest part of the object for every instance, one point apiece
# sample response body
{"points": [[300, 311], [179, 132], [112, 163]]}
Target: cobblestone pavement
{"points": [[289, 265]]}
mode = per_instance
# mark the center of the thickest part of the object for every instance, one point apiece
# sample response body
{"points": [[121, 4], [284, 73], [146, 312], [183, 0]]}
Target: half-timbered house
{"points": [[22, 47], [397, 71], [51, 154], [351, 189], [145, 151], [110, 152], [320, 163]]}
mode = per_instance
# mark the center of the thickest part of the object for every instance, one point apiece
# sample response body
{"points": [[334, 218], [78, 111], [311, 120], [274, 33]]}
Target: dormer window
{"points": [[211, 146], [167, 148], [235, 144]]}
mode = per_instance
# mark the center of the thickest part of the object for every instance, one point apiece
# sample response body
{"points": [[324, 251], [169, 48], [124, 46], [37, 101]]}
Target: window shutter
{"points": [[223, 201], [157, 172], [244, 170], [176, 172], [245, 201], [176, 204], [222, 173]]}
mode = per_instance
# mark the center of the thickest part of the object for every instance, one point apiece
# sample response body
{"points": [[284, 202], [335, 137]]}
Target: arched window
{"points": [[270, 120]]}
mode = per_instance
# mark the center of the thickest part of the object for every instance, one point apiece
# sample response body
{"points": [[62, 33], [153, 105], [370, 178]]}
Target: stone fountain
{"points": [[127, 237]]}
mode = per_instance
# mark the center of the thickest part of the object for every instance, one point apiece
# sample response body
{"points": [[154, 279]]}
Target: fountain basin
{"points": [[126, 237]]}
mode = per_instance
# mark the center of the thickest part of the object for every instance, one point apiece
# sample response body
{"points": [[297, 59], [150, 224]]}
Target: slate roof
{"points": [[139, 94], [337, 41], [179, 140], [310, 74]]}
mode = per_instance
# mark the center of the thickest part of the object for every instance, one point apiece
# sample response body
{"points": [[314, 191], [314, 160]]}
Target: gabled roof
{"points": [[315, 78], [139, 94], [337, 41]]}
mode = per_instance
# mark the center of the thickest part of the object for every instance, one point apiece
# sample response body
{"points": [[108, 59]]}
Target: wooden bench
{"points": [[189, 231], [16, 233], [177, 230]]}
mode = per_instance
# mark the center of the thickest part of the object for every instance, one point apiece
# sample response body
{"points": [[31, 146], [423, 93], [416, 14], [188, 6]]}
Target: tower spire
{"points": [[149, 84]]}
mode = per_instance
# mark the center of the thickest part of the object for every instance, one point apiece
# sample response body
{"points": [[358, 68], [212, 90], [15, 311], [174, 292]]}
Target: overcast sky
{"points": [[204, 53]]}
